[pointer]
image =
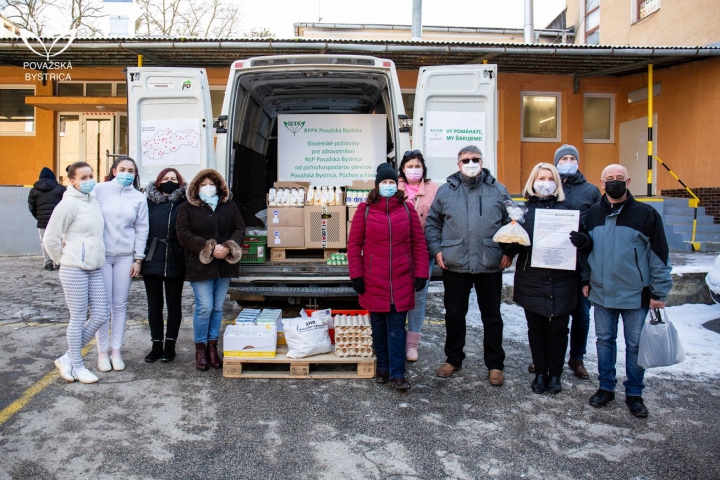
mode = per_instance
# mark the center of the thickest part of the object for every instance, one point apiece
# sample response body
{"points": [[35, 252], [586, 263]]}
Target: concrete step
{"points": [[682, 211], [684, 219], [676, 241], [710, 247], [700, 237], [701, 227], [675, 202]]}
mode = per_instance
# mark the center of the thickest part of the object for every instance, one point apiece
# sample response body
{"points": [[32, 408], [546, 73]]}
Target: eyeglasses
{"points": [[412, 153], [465, 161]]}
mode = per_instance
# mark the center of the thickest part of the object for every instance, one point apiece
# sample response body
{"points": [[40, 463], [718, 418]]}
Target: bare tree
{"points": [[192, 18], [31, 15], [84, 15], [259, 32]]}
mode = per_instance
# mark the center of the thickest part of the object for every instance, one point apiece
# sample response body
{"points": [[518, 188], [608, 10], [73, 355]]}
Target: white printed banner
{"points": [[447, 132], [170, 142]]}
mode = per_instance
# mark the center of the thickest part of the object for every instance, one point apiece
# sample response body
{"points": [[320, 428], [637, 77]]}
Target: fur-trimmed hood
{"points": [[156, 196], [193, 189]]}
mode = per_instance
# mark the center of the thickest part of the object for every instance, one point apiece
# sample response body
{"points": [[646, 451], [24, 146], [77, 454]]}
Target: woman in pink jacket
{"points": [[388, 260], [420, 191]]}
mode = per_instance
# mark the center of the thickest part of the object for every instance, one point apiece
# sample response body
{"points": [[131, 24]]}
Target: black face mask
{"points": [[616, 189], [169, 187]]}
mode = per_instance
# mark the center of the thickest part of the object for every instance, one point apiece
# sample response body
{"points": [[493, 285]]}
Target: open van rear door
{"points": [[455, 106], [169, 120]]}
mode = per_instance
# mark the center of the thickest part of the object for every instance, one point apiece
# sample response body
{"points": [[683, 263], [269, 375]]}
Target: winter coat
{"points": [[630, 262], [168, 257], [199, 229], [44, 196], [74, 235], [542, 291], [126, 219], [579, 194], [387, 249], [424, 198], [463, 220]]}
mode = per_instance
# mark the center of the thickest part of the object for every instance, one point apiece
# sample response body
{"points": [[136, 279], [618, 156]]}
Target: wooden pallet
{"points": [[301, 254], [326, 366]]}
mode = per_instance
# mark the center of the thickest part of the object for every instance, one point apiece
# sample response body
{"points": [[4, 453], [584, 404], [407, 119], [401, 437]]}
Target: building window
{"points": [[540, 117], [598, 118], [16, 117], [592, 22], [92, 89], [644, 8]]}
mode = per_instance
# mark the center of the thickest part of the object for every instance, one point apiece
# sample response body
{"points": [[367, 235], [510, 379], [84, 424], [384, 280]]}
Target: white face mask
{"points": [[567, 168], [471, 169], [208, 191], [544, 188]]}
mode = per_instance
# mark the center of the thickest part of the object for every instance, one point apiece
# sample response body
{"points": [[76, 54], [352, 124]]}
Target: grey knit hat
{"points": [[566, 150]]}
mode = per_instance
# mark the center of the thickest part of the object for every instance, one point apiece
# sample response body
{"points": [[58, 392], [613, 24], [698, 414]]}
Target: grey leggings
{"points": [[83, 289]]}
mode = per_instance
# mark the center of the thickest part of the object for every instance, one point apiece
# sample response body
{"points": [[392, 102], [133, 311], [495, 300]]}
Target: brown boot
{"points": [[446, 370], [496, 377], [531, 367], [201, 362], [215, 361], [578, 368]]}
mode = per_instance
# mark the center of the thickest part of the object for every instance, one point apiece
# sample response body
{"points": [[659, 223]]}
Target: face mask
{"points": [[125, 178], [208, 191], [471, 169], [544, 188], [567, 168], [87, 186], [169, 187], [387, 190], [413, 174], [616, 189]]}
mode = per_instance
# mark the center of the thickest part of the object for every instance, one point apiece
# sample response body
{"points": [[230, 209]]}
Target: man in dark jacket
{"points": [[42, 199], [465, 215], [626, 273]]}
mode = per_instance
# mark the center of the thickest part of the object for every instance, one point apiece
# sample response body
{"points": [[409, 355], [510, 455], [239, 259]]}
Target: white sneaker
{"points": [[85, 376], [104, 365], [117, 363], [65, 366]]}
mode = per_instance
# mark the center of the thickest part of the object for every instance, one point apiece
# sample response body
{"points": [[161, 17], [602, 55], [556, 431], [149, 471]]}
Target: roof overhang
{"points": [[78, 104]]}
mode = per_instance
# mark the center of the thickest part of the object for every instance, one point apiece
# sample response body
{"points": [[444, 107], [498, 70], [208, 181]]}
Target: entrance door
{"points": [[633, 153], [89, 137], [99, 134]]}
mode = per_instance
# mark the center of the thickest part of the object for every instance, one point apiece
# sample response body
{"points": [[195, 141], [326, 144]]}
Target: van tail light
{"points": [[238, 65], [387, 64]]}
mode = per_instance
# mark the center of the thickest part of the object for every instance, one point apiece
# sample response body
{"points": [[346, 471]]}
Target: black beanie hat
{"points": [[385, 172], [46, 173]]}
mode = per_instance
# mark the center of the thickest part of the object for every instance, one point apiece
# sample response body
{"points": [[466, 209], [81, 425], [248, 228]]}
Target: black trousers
{"points": [[488, 287], [548, 341], [173, 296]]}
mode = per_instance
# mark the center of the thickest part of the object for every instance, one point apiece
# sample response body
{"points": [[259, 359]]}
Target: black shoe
{"points": [[637, 406], [554, 386], [168, 354], [49, 266], [401, 384], [539, 384], [602, 398], [155, 353], [382, 377]]}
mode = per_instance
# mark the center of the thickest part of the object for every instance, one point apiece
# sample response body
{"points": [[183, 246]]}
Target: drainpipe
{"points": [[529, 27], [650, 131], [417, 20]]}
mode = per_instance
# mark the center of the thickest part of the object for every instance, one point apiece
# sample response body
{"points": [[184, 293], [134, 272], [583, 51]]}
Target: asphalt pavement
{"points": [[167, 421]]}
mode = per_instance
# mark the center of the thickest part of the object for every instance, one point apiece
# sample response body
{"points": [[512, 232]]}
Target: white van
{"points": [[252, 143]]}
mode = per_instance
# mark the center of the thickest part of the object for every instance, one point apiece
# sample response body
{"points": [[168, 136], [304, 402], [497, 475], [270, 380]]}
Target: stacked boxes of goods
{"points": [[353, 336], [247, 316], [269, 316], [253, 335]]}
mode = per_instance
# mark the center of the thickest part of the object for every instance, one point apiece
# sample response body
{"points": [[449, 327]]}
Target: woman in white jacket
{"points": [[74, 239], [125, 211]]}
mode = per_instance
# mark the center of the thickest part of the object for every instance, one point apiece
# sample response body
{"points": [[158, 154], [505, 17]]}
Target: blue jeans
{"points": [[580, 326], [388, 334], [209, 299], [606, 325], [416, 316]]}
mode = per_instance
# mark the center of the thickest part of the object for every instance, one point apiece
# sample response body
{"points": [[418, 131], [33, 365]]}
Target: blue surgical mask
{"points": [[567, 168], [387, 190], [125, 178], [87, 186]]}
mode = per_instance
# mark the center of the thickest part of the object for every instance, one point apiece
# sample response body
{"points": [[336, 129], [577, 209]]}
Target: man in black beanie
{"points": [[42, 199]]}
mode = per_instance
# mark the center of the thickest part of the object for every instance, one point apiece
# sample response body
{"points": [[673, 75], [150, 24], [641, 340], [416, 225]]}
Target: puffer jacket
{"points": [[74, 234], [199, 229], [424, 198], [44, 196], [630, 261], [579, 194], [463, 220], [126, 219], [542, 291], [387, 249], [168, 257]]}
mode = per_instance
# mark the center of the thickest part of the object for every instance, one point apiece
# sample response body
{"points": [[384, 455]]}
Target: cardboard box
{"points": [[349, 224], [285, 217], [242, 341], [286, 237], [325, 227], [362, 184], [351, 213]]}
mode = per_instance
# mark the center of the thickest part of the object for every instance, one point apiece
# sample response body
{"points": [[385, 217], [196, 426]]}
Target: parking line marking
{"points": [[34, 389]]}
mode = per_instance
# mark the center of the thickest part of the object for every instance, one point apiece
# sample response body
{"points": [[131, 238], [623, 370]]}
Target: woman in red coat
{"points": [[388, 260]]}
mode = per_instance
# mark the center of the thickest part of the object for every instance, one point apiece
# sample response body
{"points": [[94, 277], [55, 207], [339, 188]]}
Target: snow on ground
{"points": [[702, 346]]}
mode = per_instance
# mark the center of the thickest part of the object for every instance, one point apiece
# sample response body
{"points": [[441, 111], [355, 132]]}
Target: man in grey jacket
{"points": [[467, 212]]}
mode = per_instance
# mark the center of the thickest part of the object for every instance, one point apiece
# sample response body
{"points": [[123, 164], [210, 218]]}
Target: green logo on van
{"points": [[294, 127], [187, 84], [436, 132]]}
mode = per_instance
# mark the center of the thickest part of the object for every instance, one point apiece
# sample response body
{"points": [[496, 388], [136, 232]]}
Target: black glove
{"points": [[420, 283], [358, 285], [579, 240]]}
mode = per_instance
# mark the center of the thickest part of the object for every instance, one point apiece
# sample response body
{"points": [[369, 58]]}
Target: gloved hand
{"points": [[420, 283], [579, 240], [358, 285]]}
